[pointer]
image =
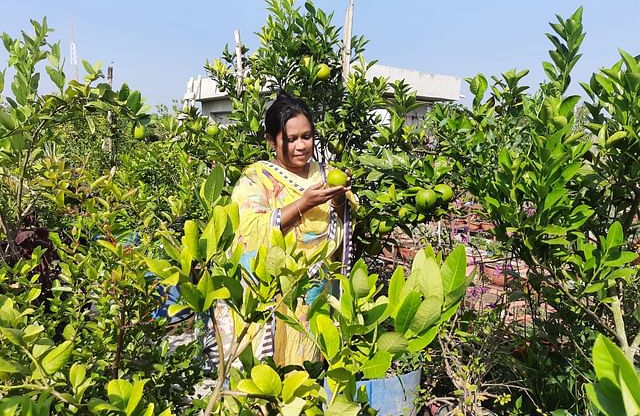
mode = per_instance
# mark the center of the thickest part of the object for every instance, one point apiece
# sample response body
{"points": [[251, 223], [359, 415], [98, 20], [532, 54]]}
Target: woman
{"points": [[289, 193]]}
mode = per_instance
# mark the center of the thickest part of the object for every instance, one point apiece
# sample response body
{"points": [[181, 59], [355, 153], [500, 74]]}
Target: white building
{"points": [[429, 88]]}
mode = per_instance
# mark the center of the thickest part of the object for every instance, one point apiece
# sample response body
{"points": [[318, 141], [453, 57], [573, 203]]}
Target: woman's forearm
{"points": [[291, 215]]}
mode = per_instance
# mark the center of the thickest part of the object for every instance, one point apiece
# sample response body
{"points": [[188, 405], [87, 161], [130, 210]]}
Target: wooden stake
{"points": [[240, 70], [346, 42]]}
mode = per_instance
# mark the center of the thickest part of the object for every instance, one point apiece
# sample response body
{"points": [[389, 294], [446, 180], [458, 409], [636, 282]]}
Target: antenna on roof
{"points": [[73, 53]]}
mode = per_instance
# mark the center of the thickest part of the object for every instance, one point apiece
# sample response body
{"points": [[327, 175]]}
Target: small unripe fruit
{"points": [[139, 132], [324, 72]]}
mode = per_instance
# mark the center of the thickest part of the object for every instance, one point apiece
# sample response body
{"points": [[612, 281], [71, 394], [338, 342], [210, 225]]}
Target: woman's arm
{"points": [[315, 195]]}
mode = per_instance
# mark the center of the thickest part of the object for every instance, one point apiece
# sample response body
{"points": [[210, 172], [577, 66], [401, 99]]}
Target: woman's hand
{"points": [[317, 194]]}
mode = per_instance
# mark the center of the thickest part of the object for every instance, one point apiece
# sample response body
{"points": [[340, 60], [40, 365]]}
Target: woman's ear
{"points": [[271, 141]]}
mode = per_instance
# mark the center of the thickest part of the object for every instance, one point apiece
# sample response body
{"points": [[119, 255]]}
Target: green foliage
{"points": [[617, 390], [562, 199]]}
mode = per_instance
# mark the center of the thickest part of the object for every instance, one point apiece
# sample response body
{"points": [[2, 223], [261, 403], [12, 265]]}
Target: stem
{"points": [[222, 370], [621, 333], [586, 310], [39, 387], [628, 221], [116, 361], [633, 348], [25, 165], [236, 347]]}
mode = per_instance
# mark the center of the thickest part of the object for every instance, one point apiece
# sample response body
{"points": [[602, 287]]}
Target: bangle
{"points": [[299, 212], [339, 205]]}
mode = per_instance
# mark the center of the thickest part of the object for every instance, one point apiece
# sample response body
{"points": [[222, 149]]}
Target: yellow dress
{"points": [[261, 192]]}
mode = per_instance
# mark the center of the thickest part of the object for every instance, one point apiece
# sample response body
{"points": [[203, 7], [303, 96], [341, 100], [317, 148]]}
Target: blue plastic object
{"points": [[392, 396]]}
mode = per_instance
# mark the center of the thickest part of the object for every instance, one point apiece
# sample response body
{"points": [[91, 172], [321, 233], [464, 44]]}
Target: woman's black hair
{"points": [[285, 107]]}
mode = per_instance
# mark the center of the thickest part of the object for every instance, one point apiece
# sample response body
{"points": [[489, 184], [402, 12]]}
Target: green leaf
{"points": [[620, 258], [630, 61], [427, 314], [407, 311], [8, 367], [77, 374], [56, 76], [161, 268], [420, 343], [454, 272], [119, 392], [426, 272], [395, 287], [393, 342], [294, 407], [568, 104], [292, 382], [210, 190], [191, 239], [133, 101], [31, 332], [377, 366], [360, 279], [341, 407], [329, 336], [615, 237], [135, 396], [607, 359], [192, 296], [208, 290], [55, 359], [631, 403], [249, 387], [266, 379], [606, 397]]}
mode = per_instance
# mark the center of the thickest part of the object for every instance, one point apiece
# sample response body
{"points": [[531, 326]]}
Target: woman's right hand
{"points": [[317, 194]]}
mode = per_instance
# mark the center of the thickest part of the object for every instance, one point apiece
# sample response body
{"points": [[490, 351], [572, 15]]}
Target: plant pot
{"points": [[407, 254], [391, 396], [475, 227], [486, 226]]}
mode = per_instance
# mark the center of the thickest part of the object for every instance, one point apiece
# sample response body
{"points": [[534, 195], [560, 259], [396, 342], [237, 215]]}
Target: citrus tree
{"points": [[299, 52], [563, 197]]}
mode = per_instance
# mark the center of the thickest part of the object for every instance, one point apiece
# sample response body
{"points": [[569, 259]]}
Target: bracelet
{"points": [[338, 206], [299, 212]]}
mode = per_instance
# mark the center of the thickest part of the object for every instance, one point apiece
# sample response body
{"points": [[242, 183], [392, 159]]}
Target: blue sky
{"points": [[156, 46]]}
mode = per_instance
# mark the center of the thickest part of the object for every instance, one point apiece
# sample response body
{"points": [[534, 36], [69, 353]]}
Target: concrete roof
{"points": [[428, 87]]}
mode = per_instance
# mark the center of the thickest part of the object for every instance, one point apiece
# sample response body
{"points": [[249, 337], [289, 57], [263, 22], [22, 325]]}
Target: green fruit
{"points": [[426, 199], [139, 132], [212, 129], [323, 72], [385, 226], [337, 178], [445, 191], [336, 146]]}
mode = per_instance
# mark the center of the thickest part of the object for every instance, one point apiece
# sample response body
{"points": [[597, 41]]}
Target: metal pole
{"points": [[346, 43]]}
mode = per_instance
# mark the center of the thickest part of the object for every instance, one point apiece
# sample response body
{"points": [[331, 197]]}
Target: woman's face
{"points": [[298, 143]]}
